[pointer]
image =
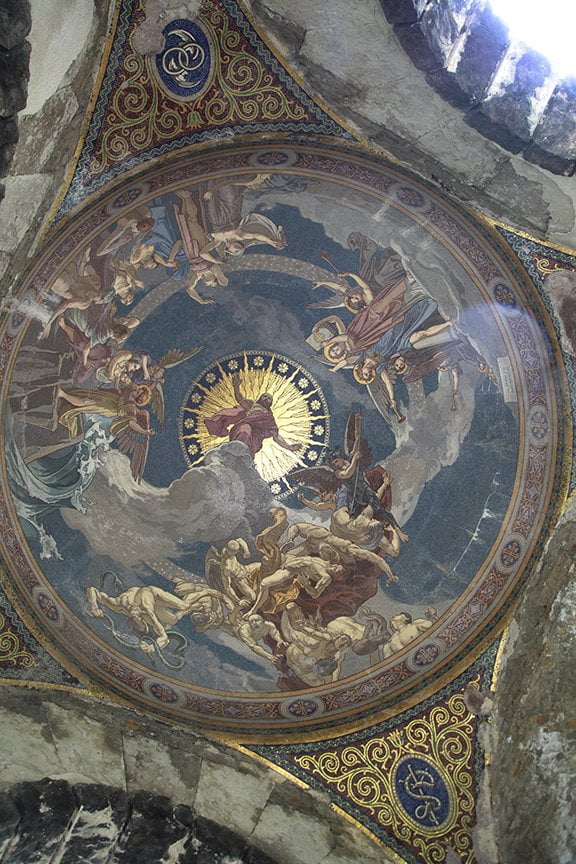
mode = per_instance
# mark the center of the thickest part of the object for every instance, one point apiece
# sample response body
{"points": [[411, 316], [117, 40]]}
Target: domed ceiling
{"points": [[280, 422], [279, 436]]}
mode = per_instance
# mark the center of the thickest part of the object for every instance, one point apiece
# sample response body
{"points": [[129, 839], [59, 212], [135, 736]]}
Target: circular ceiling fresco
{"points": [[279, 438]]}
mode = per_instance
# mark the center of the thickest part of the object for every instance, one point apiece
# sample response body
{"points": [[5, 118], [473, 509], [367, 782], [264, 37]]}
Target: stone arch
{"points": [[94, 752]]}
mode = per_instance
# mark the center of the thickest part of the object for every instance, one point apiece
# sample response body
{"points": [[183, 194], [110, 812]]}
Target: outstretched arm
{"points": [[367, 292], [206, 251], [258, 180], [96, 597], [63, 307], [140, 429], [166, 262], [237, 391], [149, 607], [293, 448], [272, 631], [346, 473], [341, 364], [192, 292], [117, 239], [249, 640], [389, 391], [314, 505], [339, 287]]}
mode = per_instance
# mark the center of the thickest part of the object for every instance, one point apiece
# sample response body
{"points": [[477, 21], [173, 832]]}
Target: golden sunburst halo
{"points": [[298, 404]]}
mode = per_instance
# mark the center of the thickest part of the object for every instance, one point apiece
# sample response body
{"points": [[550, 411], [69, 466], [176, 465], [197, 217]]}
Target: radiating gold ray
{"points": [[290, 394]]}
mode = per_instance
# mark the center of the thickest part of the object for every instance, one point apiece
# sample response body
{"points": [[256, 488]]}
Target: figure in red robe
{"points": [[250, 421]]}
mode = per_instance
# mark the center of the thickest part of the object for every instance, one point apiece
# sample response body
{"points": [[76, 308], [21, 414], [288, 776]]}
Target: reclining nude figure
{"points": [[321, 541], [150, 609], [314, 575]]}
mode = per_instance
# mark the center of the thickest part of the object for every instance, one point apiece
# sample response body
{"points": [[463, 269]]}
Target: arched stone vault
{"points": [[77, 741], [351, 61]]}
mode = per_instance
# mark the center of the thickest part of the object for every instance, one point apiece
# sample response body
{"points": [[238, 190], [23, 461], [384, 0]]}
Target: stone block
{"points": [[521, 97], [518, 185], [87, 749], [153, 832], [255, 856], [151, 764], [15, 22], [21, 761], [301, 837], [22, 201], [285, 32], [14, 74], [441, 27], [60, 32], [402, 11], [485, 46], [51, 132], [554, 164], [477, 119], [46, 808], [219, 838], [415, 44], [232, 797], [8, 141], [556, 131], [9, 819], [445, 84]]}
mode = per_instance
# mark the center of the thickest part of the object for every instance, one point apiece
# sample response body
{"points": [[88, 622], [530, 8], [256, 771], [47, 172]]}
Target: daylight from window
{"points": [[548, 28]]}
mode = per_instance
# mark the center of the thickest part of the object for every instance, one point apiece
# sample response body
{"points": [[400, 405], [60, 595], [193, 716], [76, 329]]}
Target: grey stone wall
{"points": [[15, 25], [506, 90], [41, 118], [50, 734], [534, 739], [348, 54]]}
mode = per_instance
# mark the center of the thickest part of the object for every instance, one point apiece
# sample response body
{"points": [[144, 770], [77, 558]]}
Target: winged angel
{"points": [[359, 497], [125, 408]]}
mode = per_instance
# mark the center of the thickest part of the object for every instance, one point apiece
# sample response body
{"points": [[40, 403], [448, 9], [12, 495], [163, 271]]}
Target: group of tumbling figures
{"points": [[300, 605]]}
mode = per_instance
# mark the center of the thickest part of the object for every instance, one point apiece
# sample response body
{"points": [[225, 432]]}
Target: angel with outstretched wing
{"points": [[380, 380], [134, 441], [348, 487], [331, 481], [170, 360], [130, 421], [343, 295], [381, 269]]}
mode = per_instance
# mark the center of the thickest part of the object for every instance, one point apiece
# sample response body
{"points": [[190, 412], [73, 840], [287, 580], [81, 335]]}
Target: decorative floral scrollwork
{"points": [[13, 652], [142, 114], [546, 265], [416, 781]]}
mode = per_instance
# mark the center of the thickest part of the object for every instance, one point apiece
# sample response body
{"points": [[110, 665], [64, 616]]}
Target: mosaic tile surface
{"points": [[285, 431]]}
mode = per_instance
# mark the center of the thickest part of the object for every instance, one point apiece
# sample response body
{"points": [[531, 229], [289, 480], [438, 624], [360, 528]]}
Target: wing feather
{"points": [[175, 356], [380, 399], [354, 429], [212, 570], [157, 402], [135, 445], [321, 478], [334, 302]]}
